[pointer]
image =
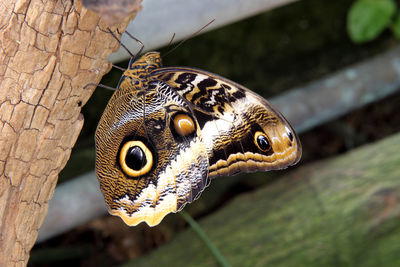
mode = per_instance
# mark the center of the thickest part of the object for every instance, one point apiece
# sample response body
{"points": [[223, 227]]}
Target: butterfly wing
{"points": [[166, 131], [147, 166], [241, 130]]}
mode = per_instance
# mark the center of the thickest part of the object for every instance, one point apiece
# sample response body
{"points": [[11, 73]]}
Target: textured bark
{"points": [[49, 51], [343, 211]]}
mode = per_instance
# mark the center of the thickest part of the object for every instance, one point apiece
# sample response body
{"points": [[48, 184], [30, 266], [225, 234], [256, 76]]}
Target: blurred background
{"points": [[338, 206]]}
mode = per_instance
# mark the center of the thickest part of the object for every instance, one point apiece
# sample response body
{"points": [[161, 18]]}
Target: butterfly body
{"points": [[167, 131]]}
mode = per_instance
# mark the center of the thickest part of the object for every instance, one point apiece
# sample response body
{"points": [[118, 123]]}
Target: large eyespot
{"points": [[261, 141], [183, 124], [135, 158]]}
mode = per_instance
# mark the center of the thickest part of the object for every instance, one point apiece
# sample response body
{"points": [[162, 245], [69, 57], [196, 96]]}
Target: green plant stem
{"points": [[203, 236]]}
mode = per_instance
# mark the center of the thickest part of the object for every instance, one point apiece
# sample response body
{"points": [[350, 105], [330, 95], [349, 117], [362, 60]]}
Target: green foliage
{"points": [[369, 18], [396, 27]]}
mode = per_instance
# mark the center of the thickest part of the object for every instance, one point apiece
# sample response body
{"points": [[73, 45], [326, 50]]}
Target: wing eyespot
{"points": [[289, 134], [183, 124], [261, 141], [135, 158]]}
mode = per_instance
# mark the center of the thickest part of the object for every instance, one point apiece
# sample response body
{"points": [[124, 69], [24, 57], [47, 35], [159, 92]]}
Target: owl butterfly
{"points": [[167, 131]]}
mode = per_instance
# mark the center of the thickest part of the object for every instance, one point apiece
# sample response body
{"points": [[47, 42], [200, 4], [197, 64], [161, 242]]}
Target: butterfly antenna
{"points": [[119, 41], [189, 37], [118, 67], [127, 50], [100, 85], [170, 41], [138, 41]]}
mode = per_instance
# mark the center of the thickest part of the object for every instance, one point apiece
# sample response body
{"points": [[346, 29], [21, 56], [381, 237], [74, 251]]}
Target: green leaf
{"points": [[396, 27], [368, 18]]}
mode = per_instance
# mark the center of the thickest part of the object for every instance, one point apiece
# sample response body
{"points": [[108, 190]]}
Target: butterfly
{"points": [[168, 131]]}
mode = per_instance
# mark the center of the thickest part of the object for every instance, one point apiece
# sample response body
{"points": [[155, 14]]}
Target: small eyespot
{"points": [[183, 124], [135, 158], [261, 140], [289, 134]]}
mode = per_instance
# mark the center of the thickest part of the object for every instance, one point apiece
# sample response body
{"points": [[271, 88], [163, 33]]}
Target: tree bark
{"points": [[343, 211], [49, 51]]}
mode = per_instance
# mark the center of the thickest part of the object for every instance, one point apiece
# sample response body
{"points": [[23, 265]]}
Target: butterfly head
{"points": [[146, 63], [136, 77]]}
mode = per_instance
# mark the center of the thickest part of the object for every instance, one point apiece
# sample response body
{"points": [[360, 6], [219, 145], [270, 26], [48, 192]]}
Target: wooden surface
{"points": [[343, 211], [49, 51]]}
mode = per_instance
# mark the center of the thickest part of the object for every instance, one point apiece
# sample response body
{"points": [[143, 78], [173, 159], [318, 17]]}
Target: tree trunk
{"points": [[343, 211], [49, 51]]}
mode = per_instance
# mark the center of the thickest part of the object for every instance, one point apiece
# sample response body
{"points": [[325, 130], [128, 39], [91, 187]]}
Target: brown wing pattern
{"points": [[231, 118], [166, 131]]}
